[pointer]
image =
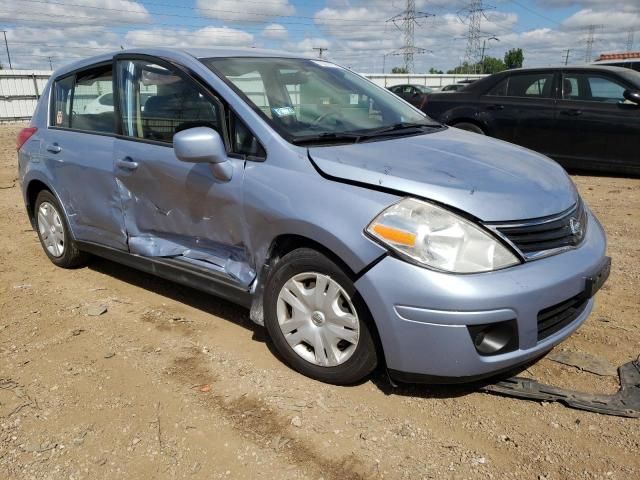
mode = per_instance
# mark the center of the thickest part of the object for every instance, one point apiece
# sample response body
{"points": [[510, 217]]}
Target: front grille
{"points": [[555, 318], [541, 236]]}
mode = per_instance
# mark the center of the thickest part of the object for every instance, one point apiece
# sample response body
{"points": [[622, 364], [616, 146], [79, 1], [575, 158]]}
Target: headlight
{"points": [[437, 238]]}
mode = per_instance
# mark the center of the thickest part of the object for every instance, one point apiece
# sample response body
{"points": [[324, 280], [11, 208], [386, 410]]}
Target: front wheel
{"points": [[317, 320]]}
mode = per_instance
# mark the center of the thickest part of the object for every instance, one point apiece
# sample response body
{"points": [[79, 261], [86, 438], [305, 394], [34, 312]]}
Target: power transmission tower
{"points": [[630, 36], [406, 22], [588, 55], [473, 15]]}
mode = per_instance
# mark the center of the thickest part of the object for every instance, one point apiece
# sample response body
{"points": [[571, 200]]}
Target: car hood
{"points": [[487, 178]]}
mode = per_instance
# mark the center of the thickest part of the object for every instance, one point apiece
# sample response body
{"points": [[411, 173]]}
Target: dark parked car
{"points": [[584, 117], [416, 95]]}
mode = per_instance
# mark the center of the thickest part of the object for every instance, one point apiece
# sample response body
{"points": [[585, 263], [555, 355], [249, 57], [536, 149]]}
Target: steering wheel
{"points": [[325, 115]]}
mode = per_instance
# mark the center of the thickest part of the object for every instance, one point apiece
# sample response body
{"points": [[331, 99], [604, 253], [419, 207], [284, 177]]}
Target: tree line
{"points": [[513, 58]]}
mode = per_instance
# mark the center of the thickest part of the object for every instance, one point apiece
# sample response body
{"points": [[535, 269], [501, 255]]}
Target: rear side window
{"points": [[89, 112], [530, 85], [62, 93], [157, 102], [78, 101]]}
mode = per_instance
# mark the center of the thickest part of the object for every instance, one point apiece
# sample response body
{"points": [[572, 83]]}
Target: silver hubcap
{"points": [[318, 319], [51, 229]]}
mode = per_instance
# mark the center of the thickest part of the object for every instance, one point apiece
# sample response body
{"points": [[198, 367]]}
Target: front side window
{"points": [[592, 88], [156, 102], [303, 98]]}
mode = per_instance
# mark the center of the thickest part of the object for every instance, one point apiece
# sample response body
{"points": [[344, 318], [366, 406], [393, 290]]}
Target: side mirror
{"points": [[203, 145], [632, 96]]}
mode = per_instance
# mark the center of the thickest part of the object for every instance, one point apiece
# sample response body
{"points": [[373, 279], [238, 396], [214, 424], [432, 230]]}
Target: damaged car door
{"points": [[184, 210]]}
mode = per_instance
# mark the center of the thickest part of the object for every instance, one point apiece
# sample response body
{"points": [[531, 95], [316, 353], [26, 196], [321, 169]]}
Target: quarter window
{"points": [[62, 93], [157, 102]]}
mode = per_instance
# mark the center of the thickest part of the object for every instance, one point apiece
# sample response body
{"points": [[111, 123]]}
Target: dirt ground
{"points": [[171, 383]]}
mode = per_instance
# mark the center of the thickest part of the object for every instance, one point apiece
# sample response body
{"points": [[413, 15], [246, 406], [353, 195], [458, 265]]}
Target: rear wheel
{"points": [[469, 127], [316, 319], [53, 232]]}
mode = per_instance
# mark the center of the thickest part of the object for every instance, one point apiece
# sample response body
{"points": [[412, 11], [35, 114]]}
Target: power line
{"points": [[408, 20]]}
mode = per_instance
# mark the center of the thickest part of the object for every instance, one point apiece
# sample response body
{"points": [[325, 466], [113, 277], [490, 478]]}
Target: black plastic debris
{"points": [[624, 403]]}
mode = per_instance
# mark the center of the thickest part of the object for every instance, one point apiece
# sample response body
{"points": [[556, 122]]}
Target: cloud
{"points": [[90, 12], [204, 37], [275, 31], [606, 20], [234, 11]]}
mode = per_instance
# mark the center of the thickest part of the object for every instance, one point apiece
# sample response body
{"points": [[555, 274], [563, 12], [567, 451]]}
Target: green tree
{"points": [[465, 68], [514, 58], [399, 70], [492, 65], [434, 71]]}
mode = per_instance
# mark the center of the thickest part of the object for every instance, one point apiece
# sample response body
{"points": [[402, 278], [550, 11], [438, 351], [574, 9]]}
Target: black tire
{"points": [[71, 256], [364, 358], [469, 127]]}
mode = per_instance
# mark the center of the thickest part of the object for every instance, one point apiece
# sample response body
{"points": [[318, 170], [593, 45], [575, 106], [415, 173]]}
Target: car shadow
{"points": [[238, 315]]}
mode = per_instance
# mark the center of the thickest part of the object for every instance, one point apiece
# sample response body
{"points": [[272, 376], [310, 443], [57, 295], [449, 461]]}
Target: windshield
{"points": [[312, 99]]}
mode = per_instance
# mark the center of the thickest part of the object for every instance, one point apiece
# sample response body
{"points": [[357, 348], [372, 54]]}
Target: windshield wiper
{"points": [[399, 128], [327, 137]]}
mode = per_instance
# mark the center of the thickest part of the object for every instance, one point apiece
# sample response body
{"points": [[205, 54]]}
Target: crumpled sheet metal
{"points": [[624, 403]]}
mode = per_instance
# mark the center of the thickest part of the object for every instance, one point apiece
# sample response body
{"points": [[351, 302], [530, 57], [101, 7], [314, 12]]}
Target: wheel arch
{"points": [[472, 121], [286, 243]]}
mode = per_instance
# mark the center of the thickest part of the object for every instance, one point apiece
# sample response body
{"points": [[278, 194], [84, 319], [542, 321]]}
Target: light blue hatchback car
{"points": [[357, 230]]}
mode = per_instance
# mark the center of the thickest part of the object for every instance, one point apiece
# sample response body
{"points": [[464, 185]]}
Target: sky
{"points": [[354, 33]]}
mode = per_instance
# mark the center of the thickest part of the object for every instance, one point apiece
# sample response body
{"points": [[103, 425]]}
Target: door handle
{"points": [[496, 107], [54, 148], [127, 163], [571, 113]]}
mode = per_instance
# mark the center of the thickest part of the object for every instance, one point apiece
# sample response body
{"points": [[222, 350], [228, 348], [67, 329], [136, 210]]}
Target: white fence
{"points": [[20, 89], [19, 93]]}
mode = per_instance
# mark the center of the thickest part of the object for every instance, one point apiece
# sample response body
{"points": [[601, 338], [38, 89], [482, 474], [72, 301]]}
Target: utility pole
{"points": [[50, 64], [320, 50], [566, 56], [406, 22], [6, 45], [588, 56], [474, 13], [630, 36], [484, 46]]}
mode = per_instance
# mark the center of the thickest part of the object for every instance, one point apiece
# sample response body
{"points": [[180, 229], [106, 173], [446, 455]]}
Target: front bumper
{"points": [[422, 315]]}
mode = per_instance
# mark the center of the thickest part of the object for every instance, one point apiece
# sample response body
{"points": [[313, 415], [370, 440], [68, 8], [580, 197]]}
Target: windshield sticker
{"points": [[283, 111], [59, 117], [354, 99]]}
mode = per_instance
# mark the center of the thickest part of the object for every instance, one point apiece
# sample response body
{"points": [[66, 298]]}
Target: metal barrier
{"points": [[19, 93]]}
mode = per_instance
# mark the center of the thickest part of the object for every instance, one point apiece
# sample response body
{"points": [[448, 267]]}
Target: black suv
{"points": [[584, 117]]}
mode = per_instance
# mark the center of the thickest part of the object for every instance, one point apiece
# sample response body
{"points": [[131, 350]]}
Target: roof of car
{"points": [[629, 74], [175, 53]]}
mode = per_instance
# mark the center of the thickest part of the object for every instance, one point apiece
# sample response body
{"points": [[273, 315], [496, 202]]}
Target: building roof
{"points": [[618, 56]]}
